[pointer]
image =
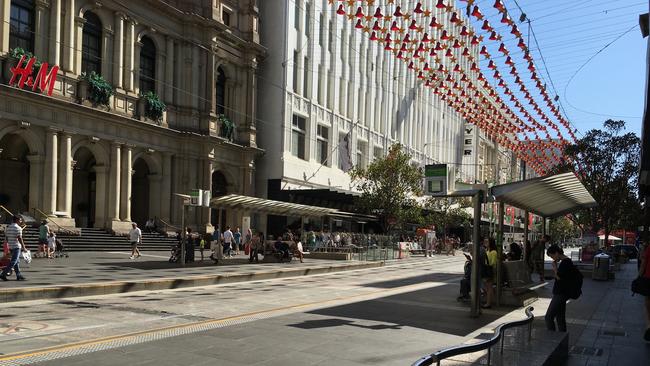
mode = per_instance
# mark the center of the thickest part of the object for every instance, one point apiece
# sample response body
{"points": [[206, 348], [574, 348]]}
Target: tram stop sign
{"points": [[435, 179]]}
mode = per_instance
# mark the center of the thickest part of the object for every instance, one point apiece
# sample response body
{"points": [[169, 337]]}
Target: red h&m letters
{"points": [[44, 81]]}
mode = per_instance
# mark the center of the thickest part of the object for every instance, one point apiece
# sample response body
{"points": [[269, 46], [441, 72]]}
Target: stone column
{"points": [[129, 57], [211, 95], [107, 41], [169, 71], [5, 12], [40, 32], [136, 66], [64, 199], [118, 51], [100, 196], [55, 32], [35, 180], [207, 185], [69, 37], [114, 181], [166, 188], [195, 74], [50, 176], [79, 25], [127, 171]]}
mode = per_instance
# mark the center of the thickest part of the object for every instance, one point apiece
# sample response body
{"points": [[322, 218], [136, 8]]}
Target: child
{"points": [[202, 247], [51, 245]]}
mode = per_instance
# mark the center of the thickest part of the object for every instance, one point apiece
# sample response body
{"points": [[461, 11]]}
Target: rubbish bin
{"points": [[601, 267]]}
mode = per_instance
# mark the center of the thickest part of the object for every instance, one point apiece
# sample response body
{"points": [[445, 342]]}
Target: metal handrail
{"points": [[176, 228], [46, 217], [480, 346]]}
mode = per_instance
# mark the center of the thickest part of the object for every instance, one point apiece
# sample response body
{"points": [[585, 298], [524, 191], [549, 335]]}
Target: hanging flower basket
{"points": [[99, 90], [227, 126], [154, 107]]}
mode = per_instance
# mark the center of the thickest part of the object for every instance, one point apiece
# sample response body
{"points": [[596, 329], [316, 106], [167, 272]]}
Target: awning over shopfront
{"points": [[550, 196], [281, 208]]}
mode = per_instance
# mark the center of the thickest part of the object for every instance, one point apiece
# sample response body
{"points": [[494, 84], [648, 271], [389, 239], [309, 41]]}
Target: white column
{"points": [[114, 181], [55, 32], [118, 51], [125, 207], [40, 33], [129, 54], [107, 41], [50, 176], [64, 199], [169, 71], [136, 66], [5, 10], [69, 36], [79, 29], [166, 188]]}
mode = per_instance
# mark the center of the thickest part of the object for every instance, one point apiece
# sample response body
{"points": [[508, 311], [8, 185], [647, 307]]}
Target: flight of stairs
{"points": [[98, 240]]}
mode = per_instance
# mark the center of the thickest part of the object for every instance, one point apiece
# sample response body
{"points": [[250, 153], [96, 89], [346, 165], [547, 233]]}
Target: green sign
{"points": [[435, 170]]}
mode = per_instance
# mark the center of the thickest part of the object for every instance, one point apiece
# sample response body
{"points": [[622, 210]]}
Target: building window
{"points": [[378, 152], [295, 72], [322, 153], [330, 36], [361, 154], [344, 152], [321, 26], [91, 53], [220, 91], [225, 17], [305, 77], [296, 15], [21, 25], [147, 66], [298, 129], [307, 19]]}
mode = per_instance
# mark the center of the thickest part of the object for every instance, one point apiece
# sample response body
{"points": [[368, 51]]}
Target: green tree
{"points": [[607, 162], [563, 229], [388, 188], [445, 212]]}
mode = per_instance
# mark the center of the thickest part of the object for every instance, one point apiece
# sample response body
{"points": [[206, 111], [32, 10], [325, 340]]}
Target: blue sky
{"points": [[569, 33]]}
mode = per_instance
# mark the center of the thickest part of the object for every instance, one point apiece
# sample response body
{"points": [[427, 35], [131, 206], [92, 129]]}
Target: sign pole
{"points": [[183, 236], [476, 286]]}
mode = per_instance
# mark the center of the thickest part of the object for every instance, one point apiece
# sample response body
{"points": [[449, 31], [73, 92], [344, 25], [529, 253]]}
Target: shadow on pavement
{"points": [[433, 309], [335, 322], [431, 277]]}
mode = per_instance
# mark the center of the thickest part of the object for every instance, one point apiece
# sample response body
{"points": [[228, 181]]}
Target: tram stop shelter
{"points": [[248, 204], [549, 197]]}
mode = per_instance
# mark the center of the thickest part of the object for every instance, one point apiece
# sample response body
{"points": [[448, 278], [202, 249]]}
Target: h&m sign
{"points": [[22, 74]]}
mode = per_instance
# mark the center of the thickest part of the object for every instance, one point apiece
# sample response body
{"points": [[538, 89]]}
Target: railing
{"points": [[165, 225], [49, 219], [6, 210], [480, 346]]}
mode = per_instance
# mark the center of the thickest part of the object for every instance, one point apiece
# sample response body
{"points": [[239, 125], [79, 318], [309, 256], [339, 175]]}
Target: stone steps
{"points": [[100, 240]]}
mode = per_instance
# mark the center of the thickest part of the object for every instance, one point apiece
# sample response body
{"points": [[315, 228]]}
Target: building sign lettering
{"points": [[22, 74]]}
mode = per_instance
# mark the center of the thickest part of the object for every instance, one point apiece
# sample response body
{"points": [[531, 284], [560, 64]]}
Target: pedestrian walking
{"points": [[14, 238], [642, 286], [227, 242], [202, 247], [568, 283], [236, 240], [431, 242], [215, 245], [257, 245], [488, 273], [135, 236], [43, 234], [537, 257]]}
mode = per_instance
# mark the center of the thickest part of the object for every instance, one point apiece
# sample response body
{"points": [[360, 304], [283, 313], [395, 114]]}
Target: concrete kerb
{"points": [[114, 287]]}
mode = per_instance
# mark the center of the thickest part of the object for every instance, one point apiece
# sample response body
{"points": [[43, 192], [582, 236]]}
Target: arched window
{"points": [[91, 52], [21, 25], [221, 91], [147, 65]]}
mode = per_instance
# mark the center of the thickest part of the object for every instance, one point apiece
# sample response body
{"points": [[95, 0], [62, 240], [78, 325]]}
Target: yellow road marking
{"points": [[76, 345]]}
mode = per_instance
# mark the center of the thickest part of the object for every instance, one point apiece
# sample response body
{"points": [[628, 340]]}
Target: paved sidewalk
{"points": [[96, 273], [606, 323]]}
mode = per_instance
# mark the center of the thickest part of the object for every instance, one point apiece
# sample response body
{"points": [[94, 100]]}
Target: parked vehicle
{"points": [[629, 250]]}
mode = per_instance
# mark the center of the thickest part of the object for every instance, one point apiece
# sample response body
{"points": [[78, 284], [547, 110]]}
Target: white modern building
{"points": [[323, 80]]}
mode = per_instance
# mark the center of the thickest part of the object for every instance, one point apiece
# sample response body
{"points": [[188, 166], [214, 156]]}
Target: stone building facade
{"points": [[87, 164]]}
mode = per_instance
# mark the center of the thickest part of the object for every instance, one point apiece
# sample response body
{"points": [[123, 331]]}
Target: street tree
{"points": [[607, 162], [446, 212], [389, 186], [562, 229]]}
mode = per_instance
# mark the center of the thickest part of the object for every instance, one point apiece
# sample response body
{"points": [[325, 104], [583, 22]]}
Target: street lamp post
{"points": [[186, 199]]}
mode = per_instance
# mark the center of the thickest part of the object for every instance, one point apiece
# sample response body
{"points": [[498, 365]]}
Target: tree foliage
{"points": [[388, 188], [562, 229], [607, 162], [445, 212]]}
